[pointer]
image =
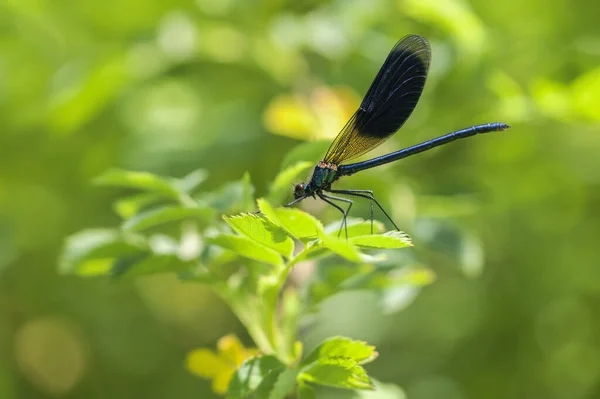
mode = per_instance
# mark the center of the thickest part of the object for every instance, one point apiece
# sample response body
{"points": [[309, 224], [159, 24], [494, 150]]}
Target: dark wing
{"points": [[388, 103]]}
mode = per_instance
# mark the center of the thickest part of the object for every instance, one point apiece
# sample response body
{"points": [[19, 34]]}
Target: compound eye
{"points": [[299, 190]]}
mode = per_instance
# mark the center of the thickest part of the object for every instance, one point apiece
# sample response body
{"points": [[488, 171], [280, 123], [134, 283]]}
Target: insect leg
{"points": [[295, 201], [327, 199], [368, 194]]}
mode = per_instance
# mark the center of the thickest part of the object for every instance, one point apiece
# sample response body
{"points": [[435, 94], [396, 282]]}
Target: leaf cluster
{"points": [[246, 255]]}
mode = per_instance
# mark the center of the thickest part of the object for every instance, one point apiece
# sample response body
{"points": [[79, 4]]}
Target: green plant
{"points": [[169, 226]]}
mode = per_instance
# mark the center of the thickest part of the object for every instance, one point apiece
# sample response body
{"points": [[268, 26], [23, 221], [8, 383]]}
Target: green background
{"points": [[510, 222]]}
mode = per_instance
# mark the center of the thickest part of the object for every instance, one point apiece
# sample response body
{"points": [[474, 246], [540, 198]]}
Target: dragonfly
{"points": [[388, 103]]}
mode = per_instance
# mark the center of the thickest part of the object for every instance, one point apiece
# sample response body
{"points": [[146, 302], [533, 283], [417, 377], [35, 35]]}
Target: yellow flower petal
{"points": [[205, 363], [316, 116], [290, 116], [231, 349], [221, 381], [333, 107]]}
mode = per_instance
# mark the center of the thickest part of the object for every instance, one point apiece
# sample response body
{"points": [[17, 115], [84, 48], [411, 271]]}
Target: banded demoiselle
{"points": [[389, 102]]}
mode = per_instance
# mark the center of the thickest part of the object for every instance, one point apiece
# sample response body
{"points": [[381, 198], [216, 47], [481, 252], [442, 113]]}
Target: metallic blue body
{"points": [[344, 170], [323, 175]]}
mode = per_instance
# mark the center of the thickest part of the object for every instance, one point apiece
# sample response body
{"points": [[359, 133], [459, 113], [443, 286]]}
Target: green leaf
{"points": [[382, 391], [311, 152], [141, 180], [379, 279], [233, 197], [152, 264], [356, 227], [388, 283], [402, 285], [283, 184], [129, 206], [297, 223], [263, 231], [334, 277], [247, 248], [256, 377], [166, 214], [313, 250], [342, 347], [123, 264], [305, 391], [337, 372], [214, 264], [247, 190], [343, 248], [93, 251], [391, 239], [285, 384], [203, 273], [413, 276], [89, 93], [192, 180], [337, 363]]}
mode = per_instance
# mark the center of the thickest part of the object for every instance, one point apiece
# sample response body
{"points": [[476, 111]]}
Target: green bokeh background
{"points": [[510, 222]]}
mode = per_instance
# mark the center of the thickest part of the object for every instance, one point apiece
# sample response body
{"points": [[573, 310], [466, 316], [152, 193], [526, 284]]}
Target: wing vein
{"points": [[388, 103]]}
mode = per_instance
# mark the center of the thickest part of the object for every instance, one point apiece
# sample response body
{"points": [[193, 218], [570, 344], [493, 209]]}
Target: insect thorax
{"points": [[323, 175]]}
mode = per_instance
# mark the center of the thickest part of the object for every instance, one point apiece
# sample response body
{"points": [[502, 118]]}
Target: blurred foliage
{"points": [[509, 222], [247, 261]]}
